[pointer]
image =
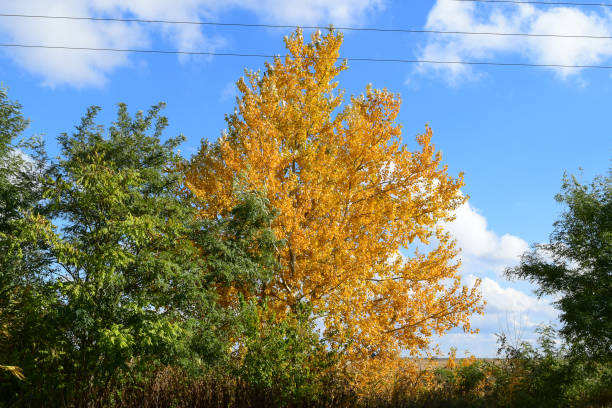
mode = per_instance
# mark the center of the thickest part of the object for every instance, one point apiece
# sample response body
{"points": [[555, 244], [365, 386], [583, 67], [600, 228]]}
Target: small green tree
{"points": [[134, 274], [576, 265], [22, 165], [287, 360]]}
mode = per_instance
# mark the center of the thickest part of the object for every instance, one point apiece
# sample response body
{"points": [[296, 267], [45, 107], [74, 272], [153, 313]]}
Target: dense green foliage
{"points": [[131, 274], [287, 358], [577, 265], [21, 258]]}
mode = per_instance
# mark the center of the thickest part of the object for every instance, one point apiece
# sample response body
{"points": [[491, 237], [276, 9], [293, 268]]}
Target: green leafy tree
{"points": [[22, 165], [576, 265], [134, 273], [287, 359]]}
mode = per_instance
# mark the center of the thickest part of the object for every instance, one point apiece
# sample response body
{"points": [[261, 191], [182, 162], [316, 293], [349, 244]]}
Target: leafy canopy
{"points": [[22, 163], [133, 275], [350, 196], [576, 265]]}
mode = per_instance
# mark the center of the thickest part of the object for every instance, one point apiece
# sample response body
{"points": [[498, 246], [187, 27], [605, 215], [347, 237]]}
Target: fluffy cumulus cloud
{"points": [[510, 300], [476, 240], [510, 311], [82, 68], [511, 307], [448, 15]]}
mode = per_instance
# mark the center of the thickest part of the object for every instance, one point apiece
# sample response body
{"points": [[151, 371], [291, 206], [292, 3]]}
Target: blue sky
{"points": [[512, 131]]}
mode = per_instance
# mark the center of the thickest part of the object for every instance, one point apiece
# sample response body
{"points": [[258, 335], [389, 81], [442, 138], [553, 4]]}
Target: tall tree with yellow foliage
{"points": [[350, 196]]}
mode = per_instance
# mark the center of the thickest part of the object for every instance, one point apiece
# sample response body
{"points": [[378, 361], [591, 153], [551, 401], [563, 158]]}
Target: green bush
{"points": [[287, 358]]}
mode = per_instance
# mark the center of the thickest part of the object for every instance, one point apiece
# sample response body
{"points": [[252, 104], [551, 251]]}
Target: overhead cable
{"points": [[353, 59], [365, 29]]}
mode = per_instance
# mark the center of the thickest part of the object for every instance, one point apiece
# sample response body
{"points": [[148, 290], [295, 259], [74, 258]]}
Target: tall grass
{"points": [[524, 376], [520, 381]]}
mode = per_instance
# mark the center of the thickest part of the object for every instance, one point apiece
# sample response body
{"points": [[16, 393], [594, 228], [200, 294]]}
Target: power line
{"points": [[548, 3], [355, 59], [366, 29]]}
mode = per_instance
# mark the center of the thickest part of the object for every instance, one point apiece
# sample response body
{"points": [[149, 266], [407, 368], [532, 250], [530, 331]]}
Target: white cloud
{"points": [[511, 307], [477, 241], [449, 15], [57, 66], [510, 300], [509, 310], [82, 68]]}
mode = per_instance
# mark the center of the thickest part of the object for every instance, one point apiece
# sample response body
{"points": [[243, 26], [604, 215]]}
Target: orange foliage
{"points": [[350, 195]]}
